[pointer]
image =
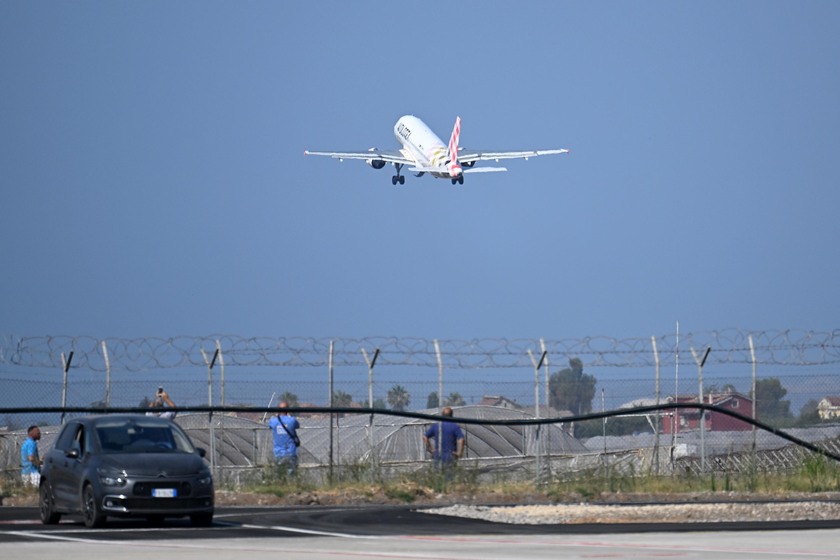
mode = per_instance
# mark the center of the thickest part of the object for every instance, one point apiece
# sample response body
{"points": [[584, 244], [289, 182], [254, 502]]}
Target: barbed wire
{"points": [[729, 346]]}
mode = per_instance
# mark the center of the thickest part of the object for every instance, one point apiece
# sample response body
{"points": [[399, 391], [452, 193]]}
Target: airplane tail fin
{"points": [[454, 166]]}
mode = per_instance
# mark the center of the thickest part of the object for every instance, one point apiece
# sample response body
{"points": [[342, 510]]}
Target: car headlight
{"points": [[108, 478], [204, 477]]}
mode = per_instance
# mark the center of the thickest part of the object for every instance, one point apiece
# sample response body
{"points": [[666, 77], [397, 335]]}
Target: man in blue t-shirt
{"points": [[284, 428], [30, 462], [450, 446]]}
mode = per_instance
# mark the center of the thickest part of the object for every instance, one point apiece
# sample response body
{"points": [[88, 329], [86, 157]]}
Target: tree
{"points": [[379, 402], [454, 399], [729, 388], [289, 398], [145, 402], [340, 398], [769, 406], [809, 414], [398, 398], [620, 426], [10, 423], [432, 401], [98, 404], [571, 389]]}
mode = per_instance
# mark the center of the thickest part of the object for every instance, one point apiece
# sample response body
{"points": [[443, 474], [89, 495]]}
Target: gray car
{"points": [[125, 466]]}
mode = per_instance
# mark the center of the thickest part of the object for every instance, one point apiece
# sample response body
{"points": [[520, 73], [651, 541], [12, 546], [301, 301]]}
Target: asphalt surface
{"points": [[402, 532]]}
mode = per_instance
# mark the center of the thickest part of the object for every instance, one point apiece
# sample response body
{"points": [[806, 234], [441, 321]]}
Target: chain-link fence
{"points": [[784, 379]]}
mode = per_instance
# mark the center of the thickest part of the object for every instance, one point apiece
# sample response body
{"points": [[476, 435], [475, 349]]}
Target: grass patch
{"points": [[816, 474]]}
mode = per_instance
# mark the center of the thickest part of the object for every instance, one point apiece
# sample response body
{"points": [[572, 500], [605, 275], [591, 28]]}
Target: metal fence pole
{"points": [[210, 364], [537, 434], [675, 413], [65, 365], [222, 399], [107, 374], [658, 413], [439, 438], [702, 413], [547, 435], [752, 358], [371, 363], [332, 415]]}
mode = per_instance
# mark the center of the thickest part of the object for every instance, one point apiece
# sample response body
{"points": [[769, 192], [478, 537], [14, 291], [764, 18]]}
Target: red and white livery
{"points": [[424, 152]]}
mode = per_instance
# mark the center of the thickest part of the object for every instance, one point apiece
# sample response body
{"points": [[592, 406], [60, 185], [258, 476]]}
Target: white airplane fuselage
{"points": [[423, 152], [422, 145]]}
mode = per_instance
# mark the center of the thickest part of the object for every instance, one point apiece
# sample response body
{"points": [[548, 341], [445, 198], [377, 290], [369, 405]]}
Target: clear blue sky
{"points": [[154, 184]]}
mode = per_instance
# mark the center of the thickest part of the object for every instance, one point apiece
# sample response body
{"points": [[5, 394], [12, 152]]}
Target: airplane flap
{"points": [[427, 170]]}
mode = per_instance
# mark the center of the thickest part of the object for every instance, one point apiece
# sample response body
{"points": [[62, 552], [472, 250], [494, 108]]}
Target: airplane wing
{"points": [[391, 156], [473, 156]]}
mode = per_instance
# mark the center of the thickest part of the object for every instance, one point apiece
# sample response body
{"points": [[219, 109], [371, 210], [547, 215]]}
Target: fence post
{"points": [[222, 399], [752, 358], [675, 413], [548, 411], [440, 376], [658, 413], [439, 438], [65, 365], [370, 364], [332, 414], [107, 375], [537, 434], [210, 364], [700, 411]]}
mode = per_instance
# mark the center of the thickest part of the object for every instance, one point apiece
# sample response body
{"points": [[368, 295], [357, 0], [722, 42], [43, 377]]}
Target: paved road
{"points": [[321, 533]]}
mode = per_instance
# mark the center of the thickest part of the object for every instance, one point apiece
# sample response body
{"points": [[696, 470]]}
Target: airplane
{"points": [[424, 152]]}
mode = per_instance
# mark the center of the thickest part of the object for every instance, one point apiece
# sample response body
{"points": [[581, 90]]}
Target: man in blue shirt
{"points": [[284, 428], [30, 462], [450, 446]]}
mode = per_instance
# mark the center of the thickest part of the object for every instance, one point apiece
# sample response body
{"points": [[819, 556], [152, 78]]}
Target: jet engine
{"points": [[375, 163], [467, 164]]}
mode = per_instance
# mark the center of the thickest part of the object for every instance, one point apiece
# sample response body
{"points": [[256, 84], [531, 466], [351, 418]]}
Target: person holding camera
{"points": [[286, 441], [160, 402]]}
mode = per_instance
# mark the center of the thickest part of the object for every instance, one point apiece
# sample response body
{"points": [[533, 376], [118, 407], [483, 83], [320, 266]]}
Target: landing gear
{"points": [[459, 180], [398, 178]]}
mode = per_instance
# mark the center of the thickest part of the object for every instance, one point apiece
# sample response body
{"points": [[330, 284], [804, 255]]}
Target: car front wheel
{"points": [[90, 509], [204, 519], [46, 505]]}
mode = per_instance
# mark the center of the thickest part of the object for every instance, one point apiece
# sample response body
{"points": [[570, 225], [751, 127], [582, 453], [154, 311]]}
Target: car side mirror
{"points": [[72, 453], [201, 452]]}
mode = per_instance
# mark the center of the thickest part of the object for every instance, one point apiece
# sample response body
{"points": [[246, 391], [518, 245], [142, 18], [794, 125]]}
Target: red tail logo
{"points": [[453, 166]]}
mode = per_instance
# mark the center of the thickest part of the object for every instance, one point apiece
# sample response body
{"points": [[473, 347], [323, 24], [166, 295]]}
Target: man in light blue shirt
{"points": [[284, 428], [30, 462]]}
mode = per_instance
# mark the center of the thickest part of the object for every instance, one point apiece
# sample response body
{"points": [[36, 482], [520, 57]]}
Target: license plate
{"points": [[164, 492]]}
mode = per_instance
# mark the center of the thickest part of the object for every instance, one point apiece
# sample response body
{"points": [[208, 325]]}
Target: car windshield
{"points": [[139, 436]]}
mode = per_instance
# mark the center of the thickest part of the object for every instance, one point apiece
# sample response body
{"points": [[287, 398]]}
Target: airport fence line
{"points": [[377, 444], [791, 373]]}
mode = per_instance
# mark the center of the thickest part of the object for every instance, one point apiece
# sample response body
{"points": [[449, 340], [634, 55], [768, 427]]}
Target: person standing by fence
{"points": [[30, 461], [286, 441], [448, 446]]}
